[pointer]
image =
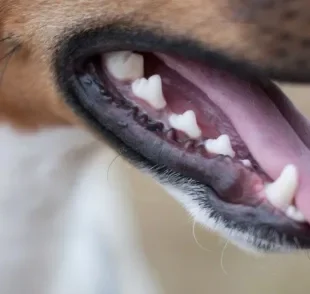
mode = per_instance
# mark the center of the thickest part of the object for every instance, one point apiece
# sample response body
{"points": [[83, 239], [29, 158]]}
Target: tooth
{"points": [[246, 162], [186, 123], [221, 145], [125, 65], [150, 90], [295, 214], [281, 192]]}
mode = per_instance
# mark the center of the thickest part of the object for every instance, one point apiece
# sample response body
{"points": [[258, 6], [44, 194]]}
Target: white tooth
{"points": [[246, 162], [295, 214], [186, 123], [221, 145], [125, 65], [281, 192], [150, 90]]}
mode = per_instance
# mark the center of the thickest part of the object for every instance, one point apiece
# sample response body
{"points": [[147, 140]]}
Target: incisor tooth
{"points": [[125, 65], [186, 123], [221, 145], [281, 192], [293, 213], [150, 90], [246, 162]]}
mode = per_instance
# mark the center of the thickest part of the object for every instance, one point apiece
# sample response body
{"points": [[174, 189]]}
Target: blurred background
{"points": [[209, 264]]}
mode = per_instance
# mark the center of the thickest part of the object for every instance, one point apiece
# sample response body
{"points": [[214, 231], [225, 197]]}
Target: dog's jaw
{"points": [[63, 222], [191, 196], [87, 93]]}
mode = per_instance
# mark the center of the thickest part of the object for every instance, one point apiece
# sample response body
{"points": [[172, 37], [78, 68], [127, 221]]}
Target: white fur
{"points": [[243, 240], [65, 225]]}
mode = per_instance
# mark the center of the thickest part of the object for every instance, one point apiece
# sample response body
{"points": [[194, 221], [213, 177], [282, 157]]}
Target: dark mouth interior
{"points": [[148, 131]]}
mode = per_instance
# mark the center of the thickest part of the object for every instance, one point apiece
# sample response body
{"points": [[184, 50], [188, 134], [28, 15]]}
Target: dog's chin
{"points": [[206, 209], [223, 192]]}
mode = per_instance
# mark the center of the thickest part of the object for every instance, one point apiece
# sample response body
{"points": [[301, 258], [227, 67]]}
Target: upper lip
{"points": [[111, 38]]}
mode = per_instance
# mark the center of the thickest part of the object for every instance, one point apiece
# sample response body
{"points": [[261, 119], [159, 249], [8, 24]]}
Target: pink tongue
{"points": [[269, 137]]}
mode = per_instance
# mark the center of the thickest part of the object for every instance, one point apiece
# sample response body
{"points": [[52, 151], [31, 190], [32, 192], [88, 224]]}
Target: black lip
{"points": [[124, 36], [87, 99]]}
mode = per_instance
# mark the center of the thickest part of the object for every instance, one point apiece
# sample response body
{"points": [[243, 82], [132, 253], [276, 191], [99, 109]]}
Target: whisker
{"points": [[110, 165], [7, 56], [5, 39], [196, 240], [8, 53], [222, 258]]}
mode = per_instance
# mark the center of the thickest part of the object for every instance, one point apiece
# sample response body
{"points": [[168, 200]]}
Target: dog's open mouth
{"points": [[241, 137]]}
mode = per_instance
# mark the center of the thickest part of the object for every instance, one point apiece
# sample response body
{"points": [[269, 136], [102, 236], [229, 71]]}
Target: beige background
{"points": [[184, 267]]}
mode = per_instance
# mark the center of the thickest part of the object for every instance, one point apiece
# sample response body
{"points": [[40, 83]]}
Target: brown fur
{"points": [[268, 32]]}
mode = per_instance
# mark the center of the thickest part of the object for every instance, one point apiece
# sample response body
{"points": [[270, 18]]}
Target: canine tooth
{"points": [[221, 145], [186, 123], [295, 214], [246, 162], [125, 65], [150, 90], [281, 192]]}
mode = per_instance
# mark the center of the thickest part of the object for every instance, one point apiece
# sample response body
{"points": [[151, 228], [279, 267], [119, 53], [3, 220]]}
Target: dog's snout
{"points": [[275, 35], [59, 75]]}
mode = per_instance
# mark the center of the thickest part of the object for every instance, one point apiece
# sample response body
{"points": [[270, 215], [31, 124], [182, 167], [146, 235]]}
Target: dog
{"points": [[179, 89]]}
